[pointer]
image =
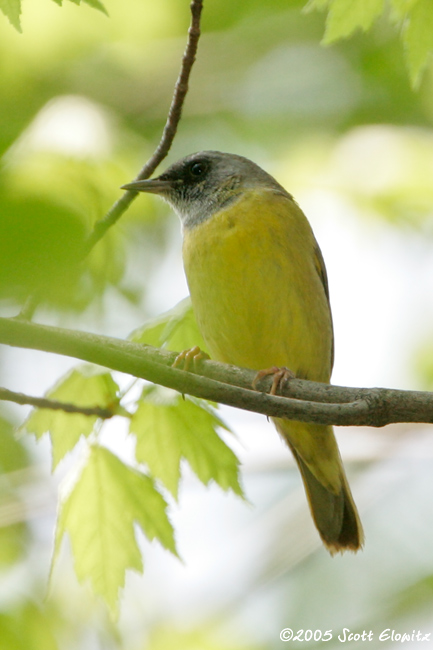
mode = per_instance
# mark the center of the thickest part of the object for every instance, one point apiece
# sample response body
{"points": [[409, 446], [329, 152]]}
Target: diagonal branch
{"points": [[304, 400], [161, 151], [170, 128]]}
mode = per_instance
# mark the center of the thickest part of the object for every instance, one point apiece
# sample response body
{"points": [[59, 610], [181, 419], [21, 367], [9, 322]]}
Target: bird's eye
{"points": [[197, 169]]}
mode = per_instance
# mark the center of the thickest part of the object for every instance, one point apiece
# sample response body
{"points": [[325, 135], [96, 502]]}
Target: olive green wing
{"points": [[319, 263]]}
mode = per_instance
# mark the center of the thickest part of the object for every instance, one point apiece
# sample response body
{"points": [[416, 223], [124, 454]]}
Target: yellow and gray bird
{"points": [[259, 291]]}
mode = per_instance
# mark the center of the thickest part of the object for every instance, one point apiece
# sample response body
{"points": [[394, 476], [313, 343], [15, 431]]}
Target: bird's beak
{"points": [[153, 185]]}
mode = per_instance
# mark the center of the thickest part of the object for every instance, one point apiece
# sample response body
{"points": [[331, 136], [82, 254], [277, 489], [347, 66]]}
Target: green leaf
{"points": [[345, 16], [96, 5], [402, 7], [40, 244], [316, 4], [158, 443], [175, 330], [418, 39], [84, 386], [99, 516], [14, 535], [414, 19], [26, 627], [12, 10], [14, 538], [13, 455], [183, 429]]}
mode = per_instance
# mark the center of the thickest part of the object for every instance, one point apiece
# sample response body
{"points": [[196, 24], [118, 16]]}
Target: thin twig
{"points": [[170, 128], [54, 405], [161, 151]]}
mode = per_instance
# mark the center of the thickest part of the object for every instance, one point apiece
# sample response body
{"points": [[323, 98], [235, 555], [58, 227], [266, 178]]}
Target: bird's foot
{"points": [[281, 377], [190, 357]]}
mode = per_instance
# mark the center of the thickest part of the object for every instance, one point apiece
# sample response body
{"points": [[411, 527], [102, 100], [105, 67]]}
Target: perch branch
{"points": [[302, 400]]}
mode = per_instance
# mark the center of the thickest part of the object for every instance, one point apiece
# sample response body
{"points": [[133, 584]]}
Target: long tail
{"points": [[328, 492]]}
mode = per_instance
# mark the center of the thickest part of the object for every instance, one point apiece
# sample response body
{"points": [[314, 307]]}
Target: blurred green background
{"points": [[83, 102]]}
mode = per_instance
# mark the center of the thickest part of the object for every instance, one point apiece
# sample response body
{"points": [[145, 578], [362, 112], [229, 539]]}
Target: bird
{"points": [[259, 291]]}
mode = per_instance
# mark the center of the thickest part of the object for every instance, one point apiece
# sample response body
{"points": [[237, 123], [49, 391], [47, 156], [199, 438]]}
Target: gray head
{"points": [[203, 183]]}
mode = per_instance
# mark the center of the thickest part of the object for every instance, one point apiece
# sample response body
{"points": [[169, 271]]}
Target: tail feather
{"points": [[335, 515], [328, 492]]}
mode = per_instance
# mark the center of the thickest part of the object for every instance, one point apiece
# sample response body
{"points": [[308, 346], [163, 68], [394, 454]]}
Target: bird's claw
{"points": [[281, 377], [190, 357]]}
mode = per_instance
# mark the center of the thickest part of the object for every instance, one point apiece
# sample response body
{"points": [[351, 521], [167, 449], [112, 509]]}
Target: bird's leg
{"points": [[191, 356], [281, 377]]}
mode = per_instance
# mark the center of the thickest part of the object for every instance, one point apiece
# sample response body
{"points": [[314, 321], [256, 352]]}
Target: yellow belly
{"points": [[255, 288]]}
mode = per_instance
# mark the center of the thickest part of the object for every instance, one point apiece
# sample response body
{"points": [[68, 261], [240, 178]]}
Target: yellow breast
{"points": [[253, 276]]}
